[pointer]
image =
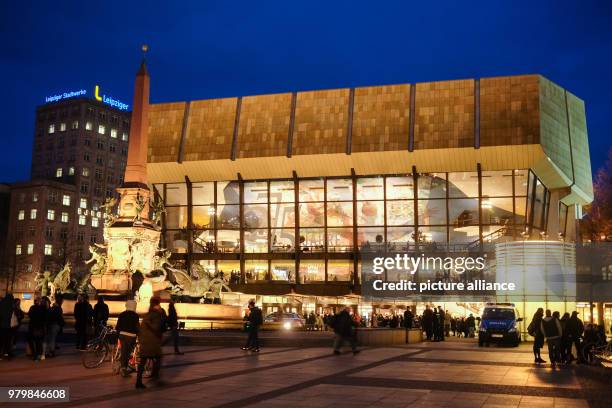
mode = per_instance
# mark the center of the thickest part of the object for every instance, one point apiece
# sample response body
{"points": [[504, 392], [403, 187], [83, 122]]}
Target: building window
{"points": [[48, 249], [85, 172], [30, 250], [18, 249], [32, 231], [62, 127], [86, 157], [51, 129], [80, 236], [33, 213], [84, 188], [112, 148], [82, 220], [83, 203], [101, 129], [94, 222], [49, 233], [64, 233], [51, 215], [66, 200], [113, 133], [88, 126], [124, 136], [64, 217], [71, 171], [75, 125], [34, 197], [100, 145], [100, 161], [58, 172], [21, 215]]}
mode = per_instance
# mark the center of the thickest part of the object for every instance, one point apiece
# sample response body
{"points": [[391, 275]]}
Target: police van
{"points": [[499, 324]]}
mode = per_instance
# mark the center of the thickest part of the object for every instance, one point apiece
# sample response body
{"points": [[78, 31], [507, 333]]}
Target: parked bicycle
{"points": [[99, 349]]}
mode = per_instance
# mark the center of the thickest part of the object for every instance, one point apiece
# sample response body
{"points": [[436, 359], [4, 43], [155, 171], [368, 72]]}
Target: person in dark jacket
{"points": [[150, 338], [36, 328], [127, 328], [408, 317], [470, 324], [6, 315], [427, 322], [173, 325], [343, 326], [574, 329], [254, 319], [55, 323], [15, 323], [552, 331], [100, 312], [441, 324], [534, 330], [83, 313]]}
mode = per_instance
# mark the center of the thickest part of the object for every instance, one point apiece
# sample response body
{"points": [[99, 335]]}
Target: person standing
{"points": [[55, 323], [447, 323], [127, 328], [471, 326], [254, 320], [173, 325], [552, 332], [408, 317], [100, 312], [436, 324], [428, 322], [150, 338], [83, 313], [6, 316], [18, 316], [575, 328], [534, 330], [442, 327], [36, 328], [344, 330]]}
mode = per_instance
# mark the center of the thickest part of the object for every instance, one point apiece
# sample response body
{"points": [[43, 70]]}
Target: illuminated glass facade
{"points": [[311, 230]]}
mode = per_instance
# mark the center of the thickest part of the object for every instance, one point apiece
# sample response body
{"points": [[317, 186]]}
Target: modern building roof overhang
{"points": [[502, 123]]}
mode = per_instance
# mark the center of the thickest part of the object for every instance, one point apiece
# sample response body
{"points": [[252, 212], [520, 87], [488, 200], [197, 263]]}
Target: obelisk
{"points": [[132, 238]]}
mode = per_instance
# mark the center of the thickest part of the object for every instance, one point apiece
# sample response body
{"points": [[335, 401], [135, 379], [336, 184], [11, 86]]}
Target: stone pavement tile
{"points": [[536, 402], [503, 400], [570, 403]]}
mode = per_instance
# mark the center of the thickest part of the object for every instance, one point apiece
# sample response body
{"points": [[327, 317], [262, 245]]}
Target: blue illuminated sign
{"points": [[82, 92]]}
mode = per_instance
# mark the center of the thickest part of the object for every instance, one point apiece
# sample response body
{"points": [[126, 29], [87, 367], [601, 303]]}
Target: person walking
{"points": [[127, 328], [470, 323], [552, 332], [173, 325], [100, 313], [319, 322], [83, 313], [442, 324], [150, 338], [254, 319], [534, 330], [343, 326], [36, 328], [436, 324], [447, 323], [6, 316], [55, 323], [18, 316]]}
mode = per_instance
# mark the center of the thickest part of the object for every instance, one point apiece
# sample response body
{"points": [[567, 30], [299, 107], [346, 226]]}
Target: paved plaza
{"points": [[455, 373]]}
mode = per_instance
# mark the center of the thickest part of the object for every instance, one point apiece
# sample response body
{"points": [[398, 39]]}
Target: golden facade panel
{"points": [[444, 114], [264, 125], [321, 120], [509, 110], [210, 129], [381, 118], [165, 130]]}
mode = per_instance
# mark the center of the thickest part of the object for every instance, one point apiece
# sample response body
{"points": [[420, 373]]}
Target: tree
{"points": [[598, 221]]}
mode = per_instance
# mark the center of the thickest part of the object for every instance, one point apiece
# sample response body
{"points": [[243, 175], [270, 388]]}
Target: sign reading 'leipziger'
{"points": [[83, 92]]}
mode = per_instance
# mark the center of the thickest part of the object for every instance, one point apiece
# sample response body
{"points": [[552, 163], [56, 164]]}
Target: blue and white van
{"points": [[499, 324]]}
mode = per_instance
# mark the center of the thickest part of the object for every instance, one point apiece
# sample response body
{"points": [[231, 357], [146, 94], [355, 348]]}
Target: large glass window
{"points": [[282, 271], [282, 215], [228, 216], [228, 241], [432, 185], [176, 217], [176, 241], [203, 193], [282, 191], [256, 270], [312, 271], [311, 190], [230, 270], [283, 240], [339, 270], [203, 241], [256, 240], [370, 188], [312, 215], [256, 192], [400, 212], [312, 239], [340, 189], [228, 192], [463, 184], [432, 212], [400, 188], [339, 214], [370, 213], [203, 216], [176, 194], [497, 183], [256, 215], [339, 239], [370, 237]]}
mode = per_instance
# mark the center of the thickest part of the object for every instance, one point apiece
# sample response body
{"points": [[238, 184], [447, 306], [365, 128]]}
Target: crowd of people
{"points": [[562, 335]]}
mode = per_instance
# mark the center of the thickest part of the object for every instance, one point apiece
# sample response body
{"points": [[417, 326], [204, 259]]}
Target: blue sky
{"points": [[207, 49]]}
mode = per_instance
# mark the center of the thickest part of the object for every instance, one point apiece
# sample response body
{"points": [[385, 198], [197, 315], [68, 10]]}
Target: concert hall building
{"points": [[281, 192]]}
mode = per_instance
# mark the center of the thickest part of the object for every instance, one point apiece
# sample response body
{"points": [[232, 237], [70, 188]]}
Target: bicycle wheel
{"points": [[116, 358], [95, 355]]}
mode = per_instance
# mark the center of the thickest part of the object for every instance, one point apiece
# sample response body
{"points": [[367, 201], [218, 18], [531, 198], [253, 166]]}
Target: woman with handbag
{"points": [[534, 330]]}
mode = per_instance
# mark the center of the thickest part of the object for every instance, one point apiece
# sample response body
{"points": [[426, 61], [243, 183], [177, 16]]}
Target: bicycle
{"points": [[99, 348], [132, 362], [594, 353]]}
